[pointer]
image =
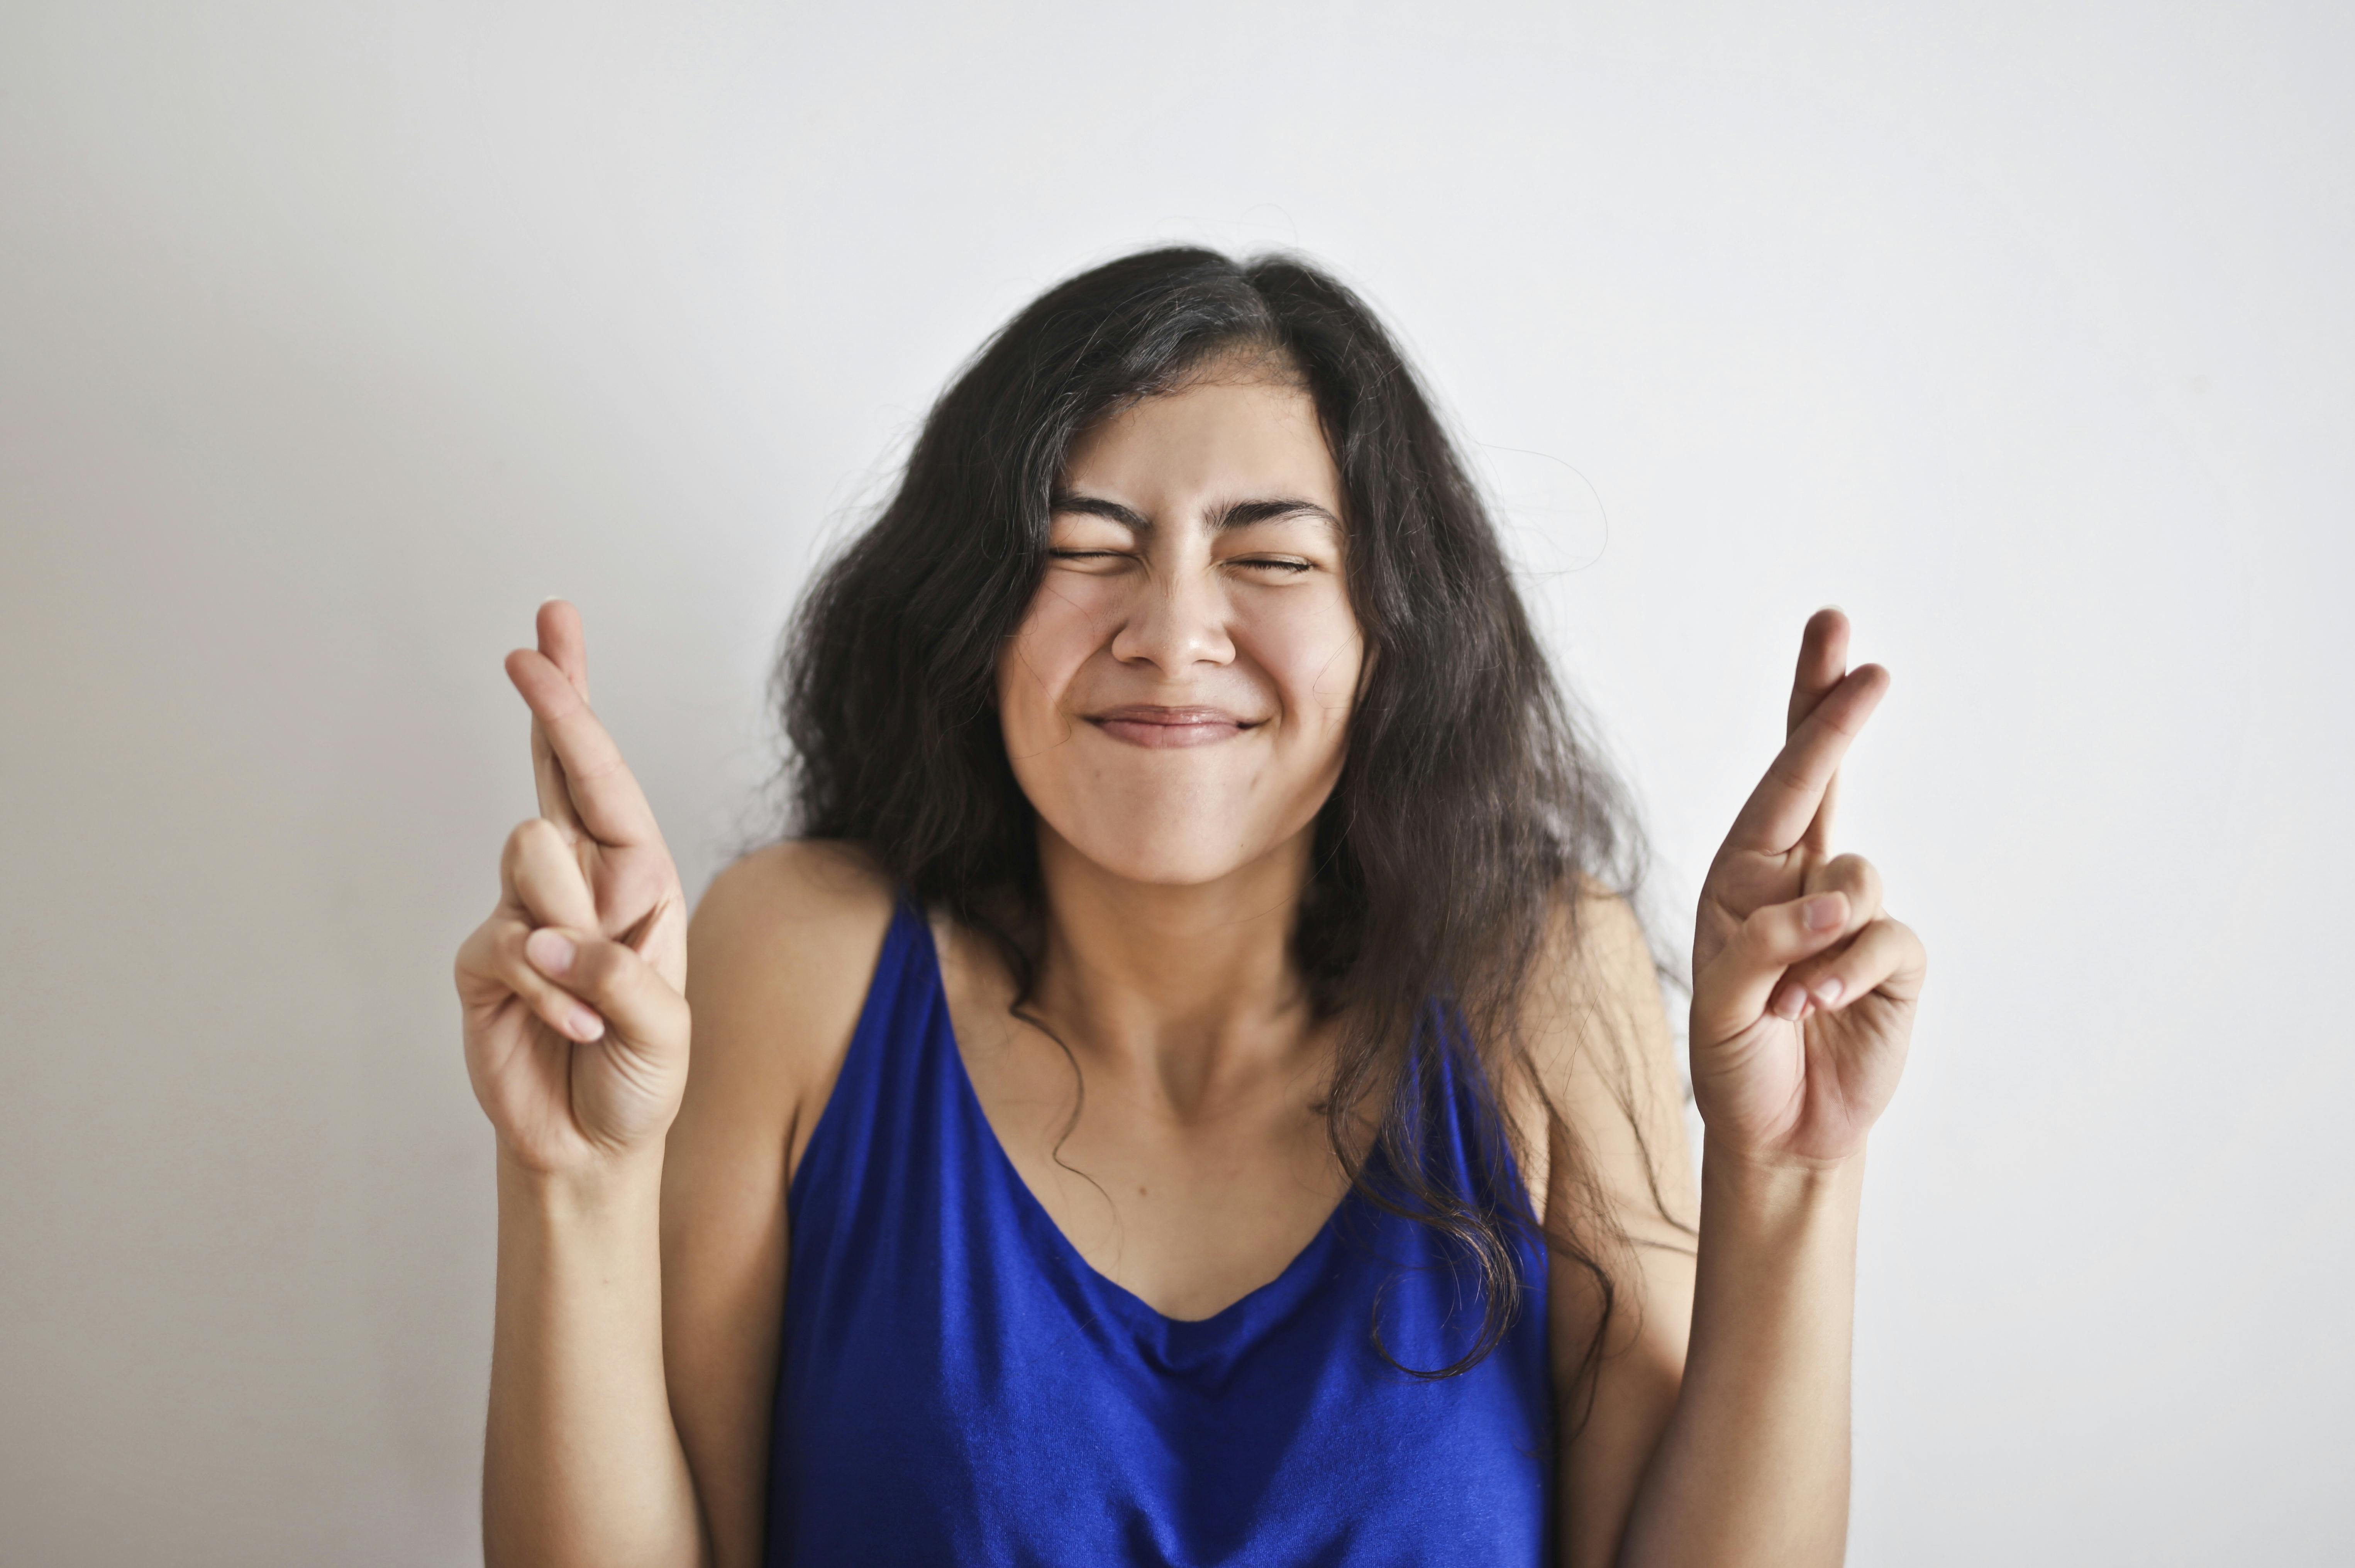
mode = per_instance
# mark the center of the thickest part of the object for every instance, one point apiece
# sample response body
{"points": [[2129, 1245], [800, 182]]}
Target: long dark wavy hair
{"points": [[1471, 811]]}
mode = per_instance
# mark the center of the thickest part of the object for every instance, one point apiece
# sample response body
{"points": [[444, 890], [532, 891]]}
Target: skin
{"points": [[1175, 705]]}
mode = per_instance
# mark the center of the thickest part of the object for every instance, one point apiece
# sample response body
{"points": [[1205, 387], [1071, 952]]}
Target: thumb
{"points": [[639, 1007], [1733, 992]]}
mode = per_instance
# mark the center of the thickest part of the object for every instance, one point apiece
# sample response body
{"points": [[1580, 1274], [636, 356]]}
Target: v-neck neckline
{"points": [[1042, 1223]]}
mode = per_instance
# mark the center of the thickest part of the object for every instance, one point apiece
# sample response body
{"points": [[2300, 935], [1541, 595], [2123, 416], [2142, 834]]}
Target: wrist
{"points": [[586, 1190], [1778, 1180]]}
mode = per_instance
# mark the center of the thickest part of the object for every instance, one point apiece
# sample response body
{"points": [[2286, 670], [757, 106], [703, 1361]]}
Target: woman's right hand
{"points": [[572, 991]]}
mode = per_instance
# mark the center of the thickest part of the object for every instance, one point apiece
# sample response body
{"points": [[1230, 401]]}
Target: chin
{"points": [[1173, 853]]}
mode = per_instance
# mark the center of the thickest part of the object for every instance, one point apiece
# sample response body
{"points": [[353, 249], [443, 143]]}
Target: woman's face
{"points": [[1175, 699]]}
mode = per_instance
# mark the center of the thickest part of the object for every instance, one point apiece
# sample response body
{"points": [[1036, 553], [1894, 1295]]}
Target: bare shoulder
{"points": [[1597, 1028], [1597, 953], [801, 882], [1594, 979], [1618, 1179], [810, 892], [779, 955]]}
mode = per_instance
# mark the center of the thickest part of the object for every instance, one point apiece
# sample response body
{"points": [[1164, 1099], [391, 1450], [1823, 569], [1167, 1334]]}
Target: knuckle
{"points": [[480, 951], [1891, 950], [521, 846], [604, 971], [1853, 871], [1788, 774], [538, 839], [512, 963], [494, 955], [1764, 932]]}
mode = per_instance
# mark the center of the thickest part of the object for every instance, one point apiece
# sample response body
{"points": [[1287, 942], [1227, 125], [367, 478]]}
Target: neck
{"points": [[1190, 988]]}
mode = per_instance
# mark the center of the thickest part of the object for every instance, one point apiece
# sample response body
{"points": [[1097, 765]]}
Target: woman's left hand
{"points": [[1803, 989]]}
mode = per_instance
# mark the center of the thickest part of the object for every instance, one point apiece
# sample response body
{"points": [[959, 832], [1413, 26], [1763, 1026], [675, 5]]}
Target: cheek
{"points": [[1057, 633], [1314, 653]]}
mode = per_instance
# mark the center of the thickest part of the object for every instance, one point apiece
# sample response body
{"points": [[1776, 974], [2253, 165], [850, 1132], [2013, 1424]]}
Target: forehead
{"points": [[1217, 437]]}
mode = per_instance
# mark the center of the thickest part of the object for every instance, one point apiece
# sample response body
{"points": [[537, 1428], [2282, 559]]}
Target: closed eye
{"points": [[1286, 566]]}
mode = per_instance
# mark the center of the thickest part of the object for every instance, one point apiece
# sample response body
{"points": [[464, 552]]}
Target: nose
{"points": [[1176, 621]]}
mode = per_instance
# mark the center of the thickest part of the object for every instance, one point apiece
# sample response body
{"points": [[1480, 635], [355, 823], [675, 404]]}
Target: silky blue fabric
{"points": [[959, 1386]]}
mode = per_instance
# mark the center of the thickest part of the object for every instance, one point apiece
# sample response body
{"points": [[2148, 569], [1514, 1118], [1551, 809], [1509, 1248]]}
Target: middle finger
{"points": [[1776, 816]]}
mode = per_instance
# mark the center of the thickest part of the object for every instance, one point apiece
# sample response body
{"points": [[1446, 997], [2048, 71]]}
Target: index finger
{"points": [[1778, 812], [558, 626], [599, 784], [1823, 661]]}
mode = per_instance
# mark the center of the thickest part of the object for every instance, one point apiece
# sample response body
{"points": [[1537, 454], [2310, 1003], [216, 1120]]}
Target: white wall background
{"points": [[334, 337]]}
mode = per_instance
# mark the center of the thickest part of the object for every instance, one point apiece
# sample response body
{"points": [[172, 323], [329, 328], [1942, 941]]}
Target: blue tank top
{"points": [[960, 1386]]}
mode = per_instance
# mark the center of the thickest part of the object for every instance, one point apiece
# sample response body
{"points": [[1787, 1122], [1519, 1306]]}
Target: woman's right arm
{"points": [[575, 1032], [581, 1463], [638, 1207]]}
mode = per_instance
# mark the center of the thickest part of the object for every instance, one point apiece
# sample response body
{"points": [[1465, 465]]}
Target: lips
{"points": [[1144, 724]]}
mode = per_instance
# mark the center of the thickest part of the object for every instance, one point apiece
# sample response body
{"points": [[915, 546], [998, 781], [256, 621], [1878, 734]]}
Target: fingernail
{"points": [[1828, 989], [1821, 913], [585, 1025], [551, 952], [1789, 998]]}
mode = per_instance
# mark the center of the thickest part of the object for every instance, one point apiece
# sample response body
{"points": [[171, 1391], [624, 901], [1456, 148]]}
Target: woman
{"points": [[1195, 1091]]}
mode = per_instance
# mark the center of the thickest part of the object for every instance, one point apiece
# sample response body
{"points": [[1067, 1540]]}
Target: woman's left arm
{"points": [[1737, 1450]]}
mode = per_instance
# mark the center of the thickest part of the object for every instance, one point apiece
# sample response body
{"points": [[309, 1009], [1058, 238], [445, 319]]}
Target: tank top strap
{"points": [[1460, 1134], [888, 1095], [956, 1383]]}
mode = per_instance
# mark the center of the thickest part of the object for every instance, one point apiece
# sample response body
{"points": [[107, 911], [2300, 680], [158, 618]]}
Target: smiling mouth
{"points": [[1141, 724]]}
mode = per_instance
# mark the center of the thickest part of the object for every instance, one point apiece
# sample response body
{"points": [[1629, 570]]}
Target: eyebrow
{"points": [[1228, 515]]}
